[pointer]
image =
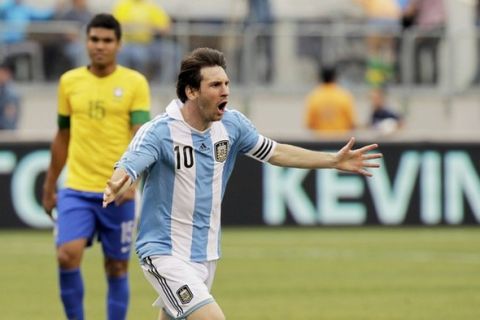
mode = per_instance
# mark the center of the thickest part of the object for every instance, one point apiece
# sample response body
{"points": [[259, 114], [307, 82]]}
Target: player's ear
{"points": [[191, 93]]}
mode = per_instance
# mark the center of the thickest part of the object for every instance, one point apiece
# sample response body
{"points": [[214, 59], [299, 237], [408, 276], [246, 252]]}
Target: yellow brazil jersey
{"points": [[100, 112], [140, 19]]}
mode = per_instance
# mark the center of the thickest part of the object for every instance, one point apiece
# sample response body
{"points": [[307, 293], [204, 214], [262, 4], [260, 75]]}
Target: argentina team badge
{"points": [[185, 294], [221, 150]]}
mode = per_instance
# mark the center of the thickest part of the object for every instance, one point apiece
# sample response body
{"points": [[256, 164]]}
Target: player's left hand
{"points": [[358, 160], [113, 190], [126, 196]]}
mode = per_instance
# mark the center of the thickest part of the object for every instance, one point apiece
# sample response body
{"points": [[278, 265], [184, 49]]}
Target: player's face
{"points": [[212, 97], [102, 47]]}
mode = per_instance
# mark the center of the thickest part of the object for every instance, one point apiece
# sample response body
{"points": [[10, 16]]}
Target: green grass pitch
{"points": [[287, 273]]}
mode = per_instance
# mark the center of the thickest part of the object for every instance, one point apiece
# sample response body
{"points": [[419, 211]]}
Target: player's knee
{"points": [[116, 268], [68, 259]]}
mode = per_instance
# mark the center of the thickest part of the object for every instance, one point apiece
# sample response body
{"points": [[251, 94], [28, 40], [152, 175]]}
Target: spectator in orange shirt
{"points": [[329, 107]]}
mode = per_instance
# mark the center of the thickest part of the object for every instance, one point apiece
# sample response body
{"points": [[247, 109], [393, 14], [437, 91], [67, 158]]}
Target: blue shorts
{"points": [[81, 216]]}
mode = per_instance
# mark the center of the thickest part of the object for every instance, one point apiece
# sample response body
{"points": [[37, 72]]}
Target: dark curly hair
{"points": [[190, 76]]}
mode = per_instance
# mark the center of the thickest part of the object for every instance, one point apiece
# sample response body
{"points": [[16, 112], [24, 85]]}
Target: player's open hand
{"points": [[114, 189], [359, 160]]}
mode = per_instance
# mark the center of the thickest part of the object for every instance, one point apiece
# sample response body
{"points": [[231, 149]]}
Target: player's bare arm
{"points": [[59, 150], [346, 159], [118, 184]]}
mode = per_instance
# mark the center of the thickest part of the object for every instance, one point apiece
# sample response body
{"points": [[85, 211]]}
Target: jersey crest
{"points": [[118, 92], [185, 294], [221, 150]]}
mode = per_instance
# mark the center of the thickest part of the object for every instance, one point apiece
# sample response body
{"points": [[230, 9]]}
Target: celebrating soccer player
{"points": [[188, 154]]}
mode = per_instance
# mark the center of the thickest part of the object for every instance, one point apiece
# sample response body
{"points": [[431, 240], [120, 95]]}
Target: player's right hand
{"points": [[49, 201]]}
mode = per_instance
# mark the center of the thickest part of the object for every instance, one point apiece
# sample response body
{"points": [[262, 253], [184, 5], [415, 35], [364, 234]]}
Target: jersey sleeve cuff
{"points": [[263, 150]]}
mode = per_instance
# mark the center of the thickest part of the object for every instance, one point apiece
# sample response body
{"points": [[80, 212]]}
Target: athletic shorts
{"points": [[80, 216], [182, 286]]}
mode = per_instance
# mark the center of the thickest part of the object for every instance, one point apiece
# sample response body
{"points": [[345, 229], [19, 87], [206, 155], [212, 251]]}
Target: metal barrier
{"points": [[289, 47], [36, 36], [284, 57]]}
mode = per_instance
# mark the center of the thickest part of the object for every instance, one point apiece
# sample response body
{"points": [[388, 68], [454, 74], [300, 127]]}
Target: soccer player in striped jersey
{"points": [[98, 103], [186, 156]]}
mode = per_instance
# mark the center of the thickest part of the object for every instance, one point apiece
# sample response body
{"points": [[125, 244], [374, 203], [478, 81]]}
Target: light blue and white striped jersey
{"points": [[186, 172]]}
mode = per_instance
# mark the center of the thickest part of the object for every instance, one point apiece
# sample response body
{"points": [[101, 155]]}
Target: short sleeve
{"points": [[251, 142], [144, 149], [141, 99], [63, 107], [140, 108]]}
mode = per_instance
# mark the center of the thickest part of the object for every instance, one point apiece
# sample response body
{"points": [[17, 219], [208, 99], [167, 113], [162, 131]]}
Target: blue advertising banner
{"points": [[417, 184]]}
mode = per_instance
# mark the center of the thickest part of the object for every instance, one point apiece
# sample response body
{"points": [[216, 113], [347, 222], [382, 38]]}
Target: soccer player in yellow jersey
{"points": [[100, 107]]}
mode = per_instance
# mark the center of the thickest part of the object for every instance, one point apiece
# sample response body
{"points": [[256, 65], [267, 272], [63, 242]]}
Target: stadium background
{"points": [[430, 178]]}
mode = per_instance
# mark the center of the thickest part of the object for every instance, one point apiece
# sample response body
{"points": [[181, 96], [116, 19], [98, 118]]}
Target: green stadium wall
{"points": [[428, 183]]}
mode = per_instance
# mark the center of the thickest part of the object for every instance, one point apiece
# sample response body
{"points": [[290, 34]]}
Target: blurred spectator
{"points": [[383, 119], [383, 22], [260, 15], [146, 41], [403, 4], [330, 108], [9, 99], [477, 14], [79, 13], [16, 17], [429, 19]]}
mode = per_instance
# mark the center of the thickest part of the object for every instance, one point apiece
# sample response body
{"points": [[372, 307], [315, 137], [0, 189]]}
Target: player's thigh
{"points": [[211, 311], [180, 285], [75, 218], [115, 225]]}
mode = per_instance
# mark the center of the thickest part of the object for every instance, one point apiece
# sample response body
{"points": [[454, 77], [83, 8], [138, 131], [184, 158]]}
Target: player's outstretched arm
{"points": [[346, 159], [116, 186]]}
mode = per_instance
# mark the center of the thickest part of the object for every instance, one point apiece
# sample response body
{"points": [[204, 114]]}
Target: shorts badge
{"points": [[221, 150], [185, 294]]}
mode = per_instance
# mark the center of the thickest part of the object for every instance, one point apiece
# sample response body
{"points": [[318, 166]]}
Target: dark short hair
{"points": [[191, 66], [106, 21], [328, 74]]}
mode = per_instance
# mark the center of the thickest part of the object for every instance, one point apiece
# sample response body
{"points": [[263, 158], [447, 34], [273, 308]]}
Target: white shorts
{"points": [[182, 286]]}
